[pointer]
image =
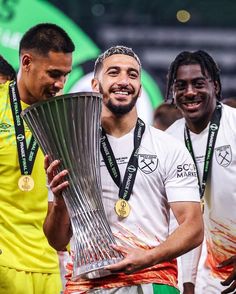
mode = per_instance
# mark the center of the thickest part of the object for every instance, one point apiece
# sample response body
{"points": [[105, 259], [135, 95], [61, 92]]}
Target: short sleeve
{"points": [[181, 182]]}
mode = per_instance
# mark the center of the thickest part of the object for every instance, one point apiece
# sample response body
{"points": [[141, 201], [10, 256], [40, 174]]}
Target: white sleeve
{"points": [[180, 174], [189, 264]]}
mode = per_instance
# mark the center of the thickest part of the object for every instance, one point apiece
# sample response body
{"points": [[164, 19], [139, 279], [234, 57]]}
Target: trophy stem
{"points": [[92, 241]]}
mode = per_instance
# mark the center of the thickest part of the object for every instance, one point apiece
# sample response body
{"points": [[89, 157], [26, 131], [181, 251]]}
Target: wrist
{"points": [[59, 203], [152, 256], [188, 288], [60, 212]]}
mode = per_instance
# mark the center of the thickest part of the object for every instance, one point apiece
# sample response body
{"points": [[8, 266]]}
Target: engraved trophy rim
{"points": [[59, 97]]}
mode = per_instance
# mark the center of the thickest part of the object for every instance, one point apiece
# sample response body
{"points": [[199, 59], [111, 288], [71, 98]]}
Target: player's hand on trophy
{"points": [[135, 259], [56, 180], [231, 280]]}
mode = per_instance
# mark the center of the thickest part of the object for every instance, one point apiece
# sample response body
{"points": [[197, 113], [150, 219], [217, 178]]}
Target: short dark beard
{"points": [[120, 110]]}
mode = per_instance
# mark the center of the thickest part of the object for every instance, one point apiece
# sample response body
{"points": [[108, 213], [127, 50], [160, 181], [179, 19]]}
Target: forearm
{"points": [[182, 240], [187, 236], [57, 226]]}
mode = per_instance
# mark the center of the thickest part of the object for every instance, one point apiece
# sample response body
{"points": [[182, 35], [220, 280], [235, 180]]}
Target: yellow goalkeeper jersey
{"points": [[23, 245]]}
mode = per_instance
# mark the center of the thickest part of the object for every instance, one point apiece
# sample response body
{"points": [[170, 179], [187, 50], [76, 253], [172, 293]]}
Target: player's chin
{"points": [[123, 101]]}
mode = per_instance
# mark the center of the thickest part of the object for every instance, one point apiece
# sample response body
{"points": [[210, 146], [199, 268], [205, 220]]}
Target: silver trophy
{"points": [[67, 127]]}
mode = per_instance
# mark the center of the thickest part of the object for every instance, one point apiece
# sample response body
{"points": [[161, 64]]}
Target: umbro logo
{"points": [[4, 126]]}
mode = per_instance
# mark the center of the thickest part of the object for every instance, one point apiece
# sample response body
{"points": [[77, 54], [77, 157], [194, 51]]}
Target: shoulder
{"points": [[170, 151], [4, 99], [4, 95], [4, 91], [156, 133], [163, 140], [4, 87], [228, 110], [178, 124], [229, 116], [177, 129]]}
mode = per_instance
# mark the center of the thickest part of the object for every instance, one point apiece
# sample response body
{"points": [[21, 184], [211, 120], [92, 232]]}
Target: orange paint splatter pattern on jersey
{"points": [[221, 245], [164, 273]]}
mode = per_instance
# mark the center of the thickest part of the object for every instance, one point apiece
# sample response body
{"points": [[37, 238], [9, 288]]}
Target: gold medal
{"points": [[26, 183], [122, 208]]}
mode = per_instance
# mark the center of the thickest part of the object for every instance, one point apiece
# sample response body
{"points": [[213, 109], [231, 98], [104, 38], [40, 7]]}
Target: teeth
{"points": [[122, 93], [192, 103]]}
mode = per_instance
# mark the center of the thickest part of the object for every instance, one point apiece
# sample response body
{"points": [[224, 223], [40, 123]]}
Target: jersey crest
{"points": [[147, 163], [223, 155]]}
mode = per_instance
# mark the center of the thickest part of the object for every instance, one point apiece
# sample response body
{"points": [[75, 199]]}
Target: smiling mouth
{"points": [[191, 104], [123, 93]]}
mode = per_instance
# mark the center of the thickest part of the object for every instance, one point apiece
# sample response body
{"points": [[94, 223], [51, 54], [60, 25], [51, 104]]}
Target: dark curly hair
{"points": [[6, 69], [45, 37], [206, 62]]}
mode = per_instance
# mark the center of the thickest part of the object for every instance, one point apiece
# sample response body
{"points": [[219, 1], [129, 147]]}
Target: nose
{"points": [[190, 90], [59, 83], [123, 80]]}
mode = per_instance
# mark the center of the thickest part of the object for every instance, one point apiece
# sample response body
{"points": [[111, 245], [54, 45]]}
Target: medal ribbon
{"points": [[125, 188], [26, 156], [213, 130]]}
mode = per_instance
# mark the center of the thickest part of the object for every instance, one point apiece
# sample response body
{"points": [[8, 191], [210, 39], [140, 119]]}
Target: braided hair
{"points": [[206, 62]]}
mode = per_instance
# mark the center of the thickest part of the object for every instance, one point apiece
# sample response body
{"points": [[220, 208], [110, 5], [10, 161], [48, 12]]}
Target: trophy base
{"points": [[94, 270]]}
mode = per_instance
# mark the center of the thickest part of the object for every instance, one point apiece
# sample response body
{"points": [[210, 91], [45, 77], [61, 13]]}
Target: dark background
{"points": [[151, 28]]}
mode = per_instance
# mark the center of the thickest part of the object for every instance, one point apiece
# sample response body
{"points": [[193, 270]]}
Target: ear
{"points": [[217, 87], [26, 61], [95, 85], [140, 91]]}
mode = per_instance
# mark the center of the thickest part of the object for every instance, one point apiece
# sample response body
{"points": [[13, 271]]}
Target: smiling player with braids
{"points": [[208, 131]]}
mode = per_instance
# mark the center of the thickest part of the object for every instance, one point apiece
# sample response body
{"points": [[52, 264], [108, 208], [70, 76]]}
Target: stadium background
{"points": [[156, 30]]}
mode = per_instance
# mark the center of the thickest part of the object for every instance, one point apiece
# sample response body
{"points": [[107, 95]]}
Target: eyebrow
{"points": [[57, 71], [118, 67], [193, 80]]}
